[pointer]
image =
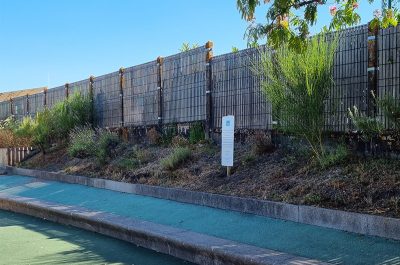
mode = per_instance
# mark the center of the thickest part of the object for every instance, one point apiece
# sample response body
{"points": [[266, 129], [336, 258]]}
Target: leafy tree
{"points": [[297, 85], [290, 21]]}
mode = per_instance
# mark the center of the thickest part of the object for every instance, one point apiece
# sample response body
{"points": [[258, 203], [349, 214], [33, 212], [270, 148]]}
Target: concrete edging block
{"points": [[341, 220], [183, 244]]}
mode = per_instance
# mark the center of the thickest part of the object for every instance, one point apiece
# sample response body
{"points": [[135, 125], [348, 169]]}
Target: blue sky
{"points": [[49, 43]]}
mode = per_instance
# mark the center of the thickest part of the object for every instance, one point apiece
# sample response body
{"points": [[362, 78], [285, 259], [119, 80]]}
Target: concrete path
{"points": [[28, 240], [298, 239]]}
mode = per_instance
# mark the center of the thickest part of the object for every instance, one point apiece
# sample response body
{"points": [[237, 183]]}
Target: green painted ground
{"points": [[299, 239], [27, 240]]}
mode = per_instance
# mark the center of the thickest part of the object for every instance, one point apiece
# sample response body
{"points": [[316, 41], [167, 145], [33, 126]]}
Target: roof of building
{"points": [[8, 95]]}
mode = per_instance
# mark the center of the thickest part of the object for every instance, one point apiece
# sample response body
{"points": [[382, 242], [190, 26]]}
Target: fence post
{"points": [[372, 69], [44, 98], [121, 94], [27, 105], [11, 107], [8, 156], [209, 55], [66, 90], [91, 94], [160, 61]]}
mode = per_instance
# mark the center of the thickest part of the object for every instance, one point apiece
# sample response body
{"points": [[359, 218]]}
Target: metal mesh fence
{"points": [[350, 79], [184, 86], [82, 87], [36, 103], [389, 68], [141, 95], [107, 100], [20, 107], [237, 91], [54, 96], [5, 107]]}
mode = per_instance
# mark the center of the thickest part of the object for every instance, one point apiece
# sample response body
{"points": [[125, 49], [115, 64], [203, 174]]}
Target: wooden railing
{"points": [[13, 155]]}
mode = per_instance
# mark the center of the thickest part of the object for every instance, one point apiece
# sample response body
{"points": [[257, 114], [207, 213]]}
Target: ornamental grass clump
{"points": [[297, 84], [178, 156], [82, 142], [106, 142]]}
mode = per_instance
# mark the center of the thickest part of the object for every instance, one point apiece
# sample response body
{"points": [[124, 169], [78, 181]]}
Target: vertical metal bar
{"points": [[91, 82], [121, 94], [209, 55], [372, 68], [160, 61]]}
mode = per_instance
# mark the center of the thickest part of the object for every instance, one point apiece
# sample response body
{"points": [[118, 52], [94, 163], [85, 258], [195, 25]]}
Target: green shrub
{"points": [[196, 133], [127, 163], [368, 126], [82, 142], [169, 133], [9, 124], [71, 113], [297, 85], [248, 159], [334, 157], [143, 156], [106, 142], [55, 124], [391, 110], [312, 198], [38, 129], [176, 158]]}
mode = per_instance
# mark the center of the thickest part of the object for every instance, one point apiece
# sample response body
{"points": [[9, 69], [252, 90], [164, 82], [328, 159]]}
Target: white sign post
{"points": [[228, 137]]}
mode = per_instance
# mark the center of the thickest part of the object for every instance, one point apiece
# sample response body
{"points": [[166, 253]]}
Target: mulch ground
{"points": [[361, 184]]}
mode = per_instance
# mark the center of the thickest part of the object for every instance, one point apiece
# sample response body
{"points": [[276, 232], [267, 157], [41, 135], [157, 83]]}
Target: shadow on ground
{"points": [[28, 240]]}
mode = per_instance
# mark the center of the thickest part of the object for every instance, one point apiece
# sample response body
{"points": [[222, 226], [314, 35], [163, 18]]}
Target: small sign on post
{"points": [[227, 143]]}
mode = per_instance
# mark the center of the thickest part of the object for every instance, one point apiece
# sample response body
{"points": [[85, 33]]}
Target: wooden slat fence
{"points": [[141, 95], [237, 91], [184, 86]]}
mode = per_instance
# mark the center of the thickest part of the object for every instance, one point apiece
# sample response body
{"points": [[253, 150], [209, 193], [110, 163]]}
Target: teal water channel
{"points": [[28, 240], [324, 244]]}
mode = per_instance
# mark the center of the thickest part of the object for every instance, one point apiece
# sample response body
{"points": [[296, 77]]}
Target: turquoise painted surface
{"points": [[28, 240], [305, 240]]}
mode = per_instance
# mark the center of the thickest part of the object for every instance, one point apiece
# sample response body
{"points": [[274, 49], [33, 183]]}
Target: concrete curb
{"points": [[183, 244], [364, 224]]}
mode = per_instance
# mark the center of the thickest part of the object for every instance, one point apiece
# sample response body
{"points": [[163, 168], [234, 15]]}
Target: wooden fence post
{"points": [[160, 61], [44, 98], [9, 156], [66, 90], [11, 107], [372, 69], [121, 94], [27, 112], [209, 121]]}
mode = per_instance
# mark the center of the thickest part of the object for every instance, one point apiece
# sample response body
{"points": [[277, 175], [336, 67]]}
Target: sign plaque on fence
{"points": [[227, 143]]}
